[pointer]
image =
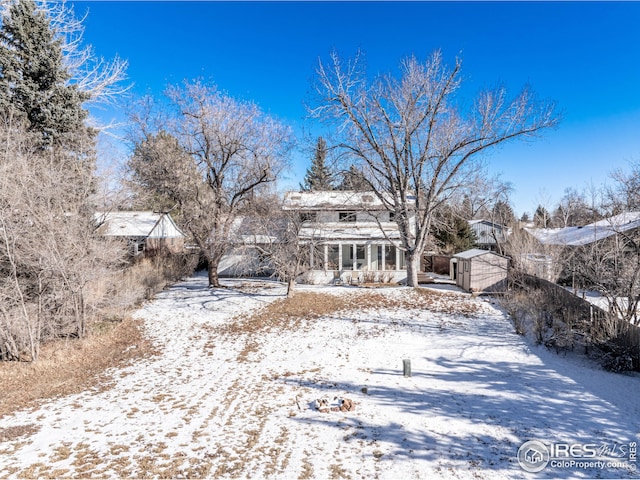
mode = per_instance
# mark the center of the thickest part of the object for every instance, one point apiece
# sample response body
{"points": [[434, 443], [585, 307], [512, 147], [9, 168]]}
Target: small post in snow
{"points": [[406, 367]]}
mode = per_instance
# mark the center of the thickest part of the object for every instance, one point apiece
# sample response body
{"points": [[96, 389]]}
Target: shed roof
{"points": [[475, 252]]}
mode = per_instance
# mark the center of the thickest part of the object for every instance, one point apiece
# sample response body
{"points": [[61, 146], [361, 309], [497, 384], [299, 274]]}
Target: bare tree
{"points": [[480, 196], [277, 235], [415, 146], [531, 257], [211, 155], [574, 210], [100, 79], [611, 266], [48, 254], [623, 195]]}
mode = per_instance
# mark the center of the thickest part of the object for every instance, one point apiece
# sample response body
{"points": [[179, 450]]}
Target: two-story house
{"points": [[351, 236], [489, 235]]}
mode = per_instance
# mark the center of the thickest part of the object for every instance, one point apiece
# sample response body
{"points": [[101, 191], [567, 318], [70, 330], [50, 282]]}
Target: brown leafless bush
{"points": [[529, 313], [369, 277], [553, 316], [121, 290], [49, 254]]}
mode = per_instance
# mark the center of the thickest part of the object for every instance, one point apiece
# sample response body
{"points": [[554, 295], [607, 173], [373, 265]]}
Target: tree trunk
{"points": [[412, 261], [212, 270], [291, 287]]}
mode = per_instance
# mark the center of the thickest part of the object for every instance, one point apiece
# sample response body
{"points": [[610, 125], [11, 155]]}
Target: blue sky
{"points": [[583, 55]]}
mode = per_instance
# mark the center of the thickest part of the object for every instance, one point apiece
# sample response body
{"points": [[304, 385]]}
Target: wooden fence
{"points": [[597, 326]]}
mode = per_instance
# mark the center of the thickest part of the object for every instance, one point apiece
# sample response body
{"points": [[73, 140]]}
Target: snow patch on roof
{"points": [[578, 236], [136, 224], [334, 200], [474, 252]]}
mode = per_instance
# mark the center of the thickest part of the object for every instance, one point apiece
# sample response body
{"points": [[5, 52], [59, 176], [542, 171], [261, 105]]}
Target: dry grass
{"points": [[73, 367], [67, 367], [280, 313], [70, 366], [288, 312], [12, 433]]}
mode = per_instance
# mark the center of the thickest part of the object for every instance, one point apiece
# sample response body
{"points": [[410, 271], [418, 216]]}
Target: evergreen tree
{"points": [[453, 234], [541, 217], [353, 179], [35, 85], [466, 209], [318, 176], [503, 213]]}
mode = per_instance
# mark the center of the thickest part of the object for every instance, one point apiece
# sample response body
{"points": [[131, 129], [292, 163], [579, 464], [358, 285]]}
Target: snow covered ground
{"points": [[225, 399]]}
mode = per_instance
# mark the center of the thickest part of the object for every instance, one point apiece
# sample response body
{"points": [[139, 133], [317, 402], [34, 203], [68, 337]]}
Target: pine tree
{"points": [[453, 234], [503, 213], [353, 179], [35, 85], [318, 176], [466, 209], [541, 217]]}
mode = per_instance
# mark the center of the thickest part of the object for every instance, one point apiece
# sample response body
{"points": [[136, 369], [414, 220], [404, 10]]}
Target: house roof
{"points": [[577, 236], [333, 200], [350, 232], [136, 224], [475, 252], [486, 222]]}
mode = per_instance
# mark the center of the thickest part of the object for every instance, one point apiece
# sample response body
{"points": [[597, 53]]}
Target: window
{"points": [[392, 216], [346, 216], [403, 264], [318, 257], [347, 257], [389, 257], [333, 257], [310, 217], [361, 256]]}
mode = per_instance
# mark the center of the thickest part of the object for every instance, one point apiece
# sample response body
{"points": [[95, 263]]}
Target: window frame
{"points": [[349, 216]]}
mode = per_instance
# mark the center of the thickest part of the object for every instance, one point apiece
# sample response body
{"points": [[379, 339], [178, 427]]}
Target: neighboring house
{"points": [[539, 265], [244, 257], [594, 232], [143, 231], [351, 235], [546, 258], [479, 270], [489, 235]]}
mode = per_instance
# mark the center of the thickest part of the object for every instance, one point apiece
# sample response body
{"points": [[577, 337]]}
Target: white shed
{"points": [[144, 231], [481, 271]]}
